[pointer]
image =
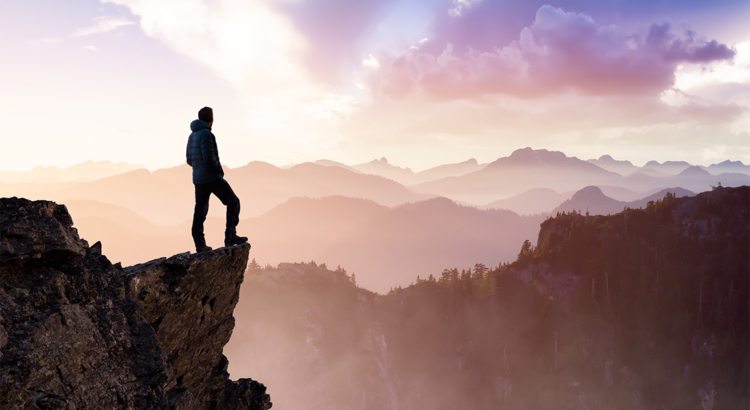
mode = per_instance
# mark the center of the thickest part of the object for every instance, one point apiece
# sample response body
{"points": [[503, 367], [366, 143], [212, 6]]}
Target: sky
{"points": [[420, 82]]}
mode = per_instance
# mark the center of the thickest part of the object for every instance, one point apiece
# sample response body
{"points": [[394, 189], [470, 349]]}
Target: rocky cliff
{"points": [[78, 332]]}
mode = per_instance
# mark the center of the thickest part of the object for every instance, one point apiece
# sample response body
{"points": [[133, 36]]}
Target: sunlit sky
{"points": [[421, 82]]}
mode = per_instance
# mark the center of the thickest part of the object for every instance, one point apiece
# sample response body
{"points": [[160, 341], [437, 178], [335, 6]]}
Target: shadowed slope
{"points": [[640, 310], [533, 201], [422, 238]]}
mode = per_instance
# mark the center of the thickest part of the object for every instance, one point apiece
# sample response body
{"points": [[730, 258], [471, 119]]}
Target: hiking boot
{"points": [[203, 248], [235, 240]]}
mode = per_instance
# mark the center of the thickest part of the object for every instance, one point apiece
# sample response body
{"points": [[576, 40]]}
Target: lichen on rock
{"points": [[79, 332]]}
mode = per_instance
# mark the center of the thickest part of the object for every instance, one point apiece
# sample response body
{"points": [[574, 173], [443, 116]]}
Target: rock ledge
{"points": [[78, 332]]}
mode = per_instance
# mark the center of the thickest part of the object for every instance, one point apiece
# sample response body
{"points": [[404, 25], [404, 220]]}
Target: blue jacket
{"points": [[202, 153]]}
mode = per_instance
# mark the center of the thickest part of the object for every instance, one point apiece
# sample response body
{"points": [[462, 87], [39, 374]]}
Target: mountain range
{"points": [[657, 169], [385, 247], [86, 171], [384, 231], [526, 169], [166, 196], [406, 176]]}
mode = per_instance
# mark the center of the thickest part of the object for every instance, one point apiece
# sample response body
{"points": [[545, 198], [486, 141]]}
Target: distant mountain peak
{"points": [[591, 191], [523, 151], [694, 171], [609, 160], [729, 162], [381, 161], [525, 156], [667, 163], [668, 167], [728, 166]]}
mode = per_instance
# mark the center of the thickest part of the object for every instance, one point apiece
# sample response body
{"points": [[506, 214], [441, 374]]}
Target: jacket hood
{"points": [[199, 125]]}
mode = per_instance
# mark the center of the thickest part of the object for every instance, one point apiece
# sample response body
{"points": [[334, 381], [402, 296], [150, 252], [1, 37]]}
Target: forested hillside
{"points": [[644, 309]]}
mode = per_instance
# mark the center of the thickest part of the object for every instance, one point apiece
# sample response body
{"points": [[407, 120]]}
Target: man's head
{"points": [[206, 114]]}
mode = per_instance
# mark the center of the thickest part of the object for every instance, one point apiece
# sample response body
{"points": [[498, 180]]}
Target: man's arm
{"points": [[187, 154], [210, 153]]}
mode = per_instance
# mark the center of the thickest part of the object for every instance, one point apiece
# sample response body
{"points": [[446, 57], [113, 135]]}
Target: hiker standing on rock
{"points": [[208, 178]]}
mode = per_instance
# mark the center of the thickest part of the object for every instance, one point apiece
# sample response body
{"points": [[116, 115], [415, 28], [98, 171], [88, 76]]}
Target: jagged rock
{"points": [[79, 332], [39, 229]]}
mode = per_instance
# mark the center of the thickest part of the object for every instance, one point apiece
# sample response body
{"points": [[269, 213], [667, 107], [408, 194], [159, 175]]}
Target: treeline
{"points": [[650, 300], [647, 308]]}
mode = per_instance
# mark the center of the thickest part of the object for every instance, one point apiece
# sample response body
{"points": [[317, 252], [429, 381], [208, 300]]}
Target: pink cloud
{"points": [[688, 49], [559, 52]]}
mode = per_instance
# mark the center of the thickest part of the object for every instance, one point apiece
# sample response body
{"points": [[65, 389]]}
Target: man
{"points": [[208, 178]]}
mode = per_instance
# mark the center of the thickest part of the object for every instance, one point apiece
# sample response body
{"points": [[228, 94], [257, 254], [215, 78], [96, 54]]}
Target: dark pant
{"points": [[224, 192]]}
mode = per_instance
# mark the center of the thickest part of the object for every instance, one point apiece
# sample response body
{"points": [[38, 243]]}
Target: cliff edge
{"points": [[79, 332]]}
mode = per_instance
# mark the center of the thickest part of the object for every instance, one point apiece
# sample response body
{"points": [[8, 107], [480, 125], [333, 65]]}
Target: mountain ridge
{"points": [[592, 200]]}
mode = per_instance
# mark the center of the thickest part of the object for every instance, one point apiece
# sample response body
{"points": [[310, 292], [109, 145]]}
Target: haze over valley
{"points": [[359, 217]]}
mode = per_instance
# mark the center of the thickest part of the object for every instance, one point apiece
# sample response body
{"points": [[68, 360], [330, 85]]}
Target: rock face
{"points": [[78, 332]]}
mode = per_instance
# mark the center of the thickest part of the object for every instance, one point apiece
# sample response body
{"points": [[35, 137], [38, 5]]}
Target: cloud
{"points": [[489, 24], [687, 49], [461, 6], [560, 51], [371, 62], [334, 30], [720, 82], [103, 24], [245, 42], [640, 128], [258, 51], [497, 118]]}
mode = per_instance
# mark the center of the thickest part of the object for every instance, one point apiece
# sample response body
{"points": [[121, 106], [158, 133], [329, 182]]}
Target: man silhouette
{"points": [[208, 178]]}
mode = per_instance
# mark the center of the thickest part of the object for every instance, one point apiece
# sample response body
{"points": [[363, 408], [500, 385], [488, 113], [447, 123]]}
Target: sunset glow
{"points": [[420, 82]]}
